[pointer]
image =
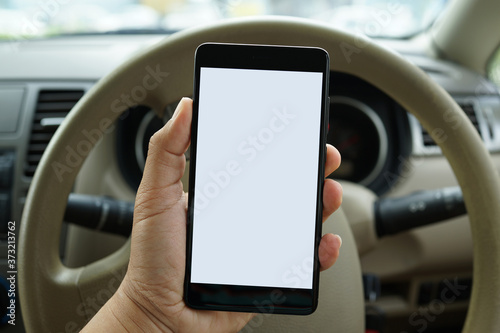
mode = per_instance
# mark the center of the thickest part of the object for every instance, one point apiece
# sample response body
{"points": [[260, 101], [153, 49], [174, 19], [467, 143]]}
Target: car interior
{"points": [[414, 112]]}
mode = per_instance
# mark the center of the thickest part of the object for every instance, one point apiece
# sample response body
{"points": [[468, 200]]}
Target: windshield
{"points": [[41, 18]]}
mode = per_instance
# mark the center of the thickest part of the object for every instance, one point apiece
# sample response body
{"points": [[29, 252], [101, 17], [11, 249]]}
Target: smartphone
{"points": [[258, 146]]}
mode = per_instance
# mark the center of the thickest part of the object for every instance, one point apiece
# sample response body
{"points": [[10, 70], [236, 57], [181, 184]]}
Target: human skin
{"points": [[150, 298]]}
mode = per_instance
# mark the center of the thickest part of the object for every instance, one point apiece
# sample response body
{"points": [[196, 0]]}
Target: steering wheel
{"points": [[56, 298]]}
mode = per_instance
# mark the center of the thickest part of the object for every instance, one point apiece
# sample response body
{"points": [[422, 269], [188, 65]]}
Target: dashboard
{"points": [[381, 145], [374, 135]]}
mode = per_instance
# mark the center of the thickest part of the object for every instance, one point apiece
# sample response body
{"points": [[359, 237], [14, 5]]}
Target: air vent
{"points": [[468, 108], [51, 108]]}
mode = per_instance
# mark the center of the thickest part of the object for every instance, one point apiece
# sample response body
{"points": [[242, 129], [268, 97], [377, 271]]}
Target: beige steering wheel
{"points": [[55, 298]]}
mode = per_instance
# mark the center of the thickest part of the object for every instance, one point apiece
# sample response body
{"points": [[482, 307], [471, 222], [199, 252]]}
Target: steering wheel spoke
{"points": [[98, 281]]}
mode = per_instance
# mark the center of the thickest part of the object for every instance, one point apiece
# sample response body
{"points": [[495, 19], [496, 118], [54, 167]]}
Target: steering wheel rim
{"points": [[406, 84]]}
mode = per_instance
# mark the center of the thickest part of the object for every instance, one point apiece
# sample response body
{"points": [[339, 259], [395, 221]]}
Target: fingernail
{"points": [[178, 108], [340, 240]]}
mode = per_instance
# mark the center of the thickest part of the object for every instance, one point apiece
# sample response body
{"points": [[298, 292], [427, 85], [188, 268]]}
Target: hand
{"points": [[150, 297]]}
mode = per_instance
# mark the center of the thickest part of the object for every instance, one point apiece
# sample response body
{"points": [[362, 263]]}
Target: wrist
{"points": [[122, 313]]}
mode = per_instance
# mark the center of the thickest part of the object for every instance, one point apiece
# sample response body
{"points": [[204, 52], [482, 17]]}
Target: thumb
{"points": [[161, 187]]}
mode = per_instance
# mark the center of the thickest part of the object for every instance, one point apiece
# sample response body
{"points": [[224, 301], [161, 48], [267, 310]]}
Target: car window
{"points": [[40, 18], [494, 68]]}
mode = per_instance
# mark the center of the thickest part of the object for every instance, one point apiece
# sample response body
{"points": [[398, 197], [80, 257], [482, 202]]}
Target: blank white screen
{"points": [[256, 177]]}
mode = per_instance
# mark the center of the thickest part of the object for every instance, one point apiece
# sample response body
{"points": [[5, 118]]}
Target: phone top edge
{"points": [[262, 56], [257, 45]]}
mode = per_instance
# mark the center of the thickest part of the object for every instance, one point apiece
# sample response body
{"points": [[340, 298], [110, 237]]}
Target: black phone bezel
{"points": [[255, 298]]}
